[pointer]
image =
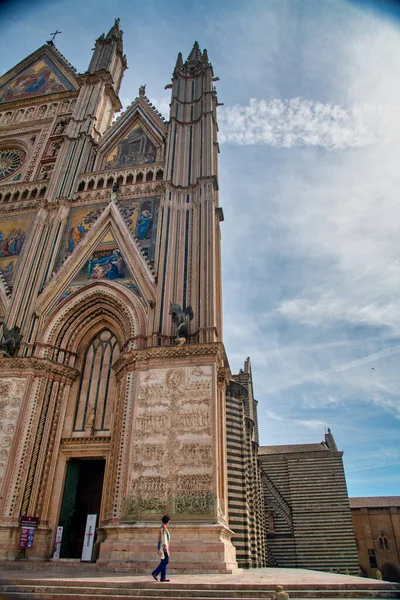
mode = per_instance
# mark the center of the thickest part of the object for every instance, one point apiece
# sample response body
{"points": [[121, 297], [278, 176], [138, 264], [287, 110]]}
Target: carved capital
{"points": [[223, 376]]}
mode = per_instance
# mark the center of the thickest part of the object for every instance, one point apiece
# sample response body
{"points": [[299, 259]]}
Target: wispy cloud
{"points": [[299, 122], [339, 368], [310, 423], [330, 308]]}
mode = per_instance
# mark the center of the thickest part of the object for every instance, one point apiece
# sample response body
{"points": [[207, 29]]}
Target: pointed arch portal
{"points": [[101, 305]]}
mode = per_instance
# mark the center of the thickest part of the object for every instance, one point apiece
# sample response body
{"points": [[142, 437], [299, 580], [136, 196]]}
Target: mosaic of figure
{"points": [[106, 264], [81, 222], [135, 149], [37, 79], [130, 212], [141, 216], [144, 223], [12, 238], [11, 243]]}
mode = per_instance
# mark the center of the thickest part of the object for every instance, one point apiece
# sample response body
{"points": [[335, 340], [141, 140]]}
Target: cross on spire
{"points": [[56, 32]]}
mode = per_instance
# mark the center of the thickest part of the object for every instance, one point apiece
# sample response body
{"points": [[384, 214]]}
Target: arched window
{"points": [[97, 384], [383, 541]]}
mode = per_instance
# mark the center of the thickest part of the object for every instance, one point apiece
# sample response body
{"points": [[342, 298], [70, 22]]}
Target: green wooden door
{"points": [[68, 505]]}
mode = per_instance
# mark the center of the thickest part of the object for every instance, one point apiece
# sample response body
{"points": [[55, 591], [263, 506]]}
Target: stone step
{"points": [[159, 596], [99, 582], [173, 592]]}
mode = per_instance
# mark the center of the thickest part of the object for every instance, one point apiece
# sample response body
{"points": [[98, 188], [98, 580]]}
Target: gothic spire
{"points": [[179, 61], [107, 49], [115, 30], [196, 62], [195, 55]]}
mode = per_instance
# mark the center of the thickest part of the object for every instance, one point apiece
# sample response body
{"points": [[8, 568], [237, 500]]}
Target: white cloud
{"points": [[329, 308], [310, 423], [300, 122]]}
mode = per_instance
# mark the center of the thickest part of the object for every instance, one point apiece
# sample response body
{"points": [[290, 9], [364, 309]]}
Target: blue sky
{"points": [[310, 186]]}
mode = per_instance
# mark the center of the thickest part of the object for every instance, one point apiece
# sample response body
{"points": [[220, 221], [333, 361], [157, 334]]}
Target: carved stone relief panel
{"points": [[11, 395], [172, 456]]}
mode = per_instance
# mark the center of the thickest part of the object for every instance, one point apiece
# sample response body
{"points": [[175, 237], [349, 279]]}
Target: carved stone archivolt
{"points": [[172, 457]]}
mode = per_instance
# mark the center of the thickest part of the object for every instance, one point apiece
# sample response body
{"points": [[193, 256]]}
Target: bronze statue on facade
{"points": [[11, 339], [181, 318]]}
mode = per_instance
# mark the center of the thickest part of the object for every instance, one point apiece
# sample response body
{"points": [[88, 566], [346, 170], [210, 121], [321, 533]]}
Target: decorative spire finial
{"points": [[195, 54], [142, 91]]}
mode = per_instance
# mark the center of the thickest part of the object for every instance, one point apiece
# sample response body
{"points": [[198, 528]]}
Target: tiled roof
{"points": [[374, 501], [293, 448]]}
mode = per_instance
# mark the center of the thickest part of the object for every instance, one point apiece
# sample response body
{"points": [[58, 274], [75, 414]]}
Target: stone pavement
{"points": [[265, 576], [80, 582]]}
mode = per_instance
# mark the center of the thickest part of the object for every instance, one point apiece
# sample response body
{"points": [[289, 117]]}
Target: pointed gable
{"points": [[106, 253], [105, 263], [136, 138], [140, 216], [43, 72], [136, 148]]}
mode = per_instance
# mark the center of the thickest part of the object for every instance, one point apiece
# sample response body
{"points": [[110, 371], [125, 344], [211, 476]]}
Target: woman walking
{"points": [[163, 549]]}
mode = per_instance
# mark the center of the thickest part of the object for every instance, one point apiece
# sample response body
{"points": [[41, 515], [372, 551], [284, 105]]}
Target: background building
{"points": [[245, 487], [377, 530], [309, 521]]}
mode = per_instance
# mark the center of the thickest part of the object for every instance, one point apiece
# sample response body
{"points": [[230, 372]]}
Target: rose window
{"points": [[10, 161]]}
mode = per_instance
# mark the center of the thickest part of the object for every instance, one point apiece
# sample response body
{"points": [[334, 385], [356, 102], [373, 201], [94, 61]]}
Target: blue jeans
{"points": [[162, 567]]}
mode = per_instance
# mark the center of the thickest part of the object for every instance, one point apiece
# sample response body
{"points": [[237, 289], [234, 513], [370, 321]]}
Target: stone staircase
{"points": [[66, 587]]}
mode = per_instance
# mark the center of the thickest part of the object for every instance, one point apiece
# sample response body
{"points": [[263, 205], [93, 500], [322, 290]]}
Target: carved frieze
{"points": [[11, 394], [129, 360], [39, 366], [172, 457]]}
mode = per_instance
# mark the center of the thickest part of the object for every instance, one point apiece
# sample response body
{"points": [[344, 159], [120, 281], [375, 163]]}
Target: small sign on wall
{"points": [[88, 541], [57, 544], [28, 526]]}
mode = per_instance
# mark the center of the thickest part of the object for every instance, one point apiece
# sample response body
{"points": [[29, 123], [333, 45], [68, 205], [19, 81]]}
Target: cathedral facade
{"points": [[114, 378]]}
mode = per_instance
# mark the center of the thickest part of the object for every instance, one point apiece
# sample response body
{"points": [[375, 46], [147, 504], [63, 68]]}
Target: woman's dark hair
{"points": [[166, 519]]}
